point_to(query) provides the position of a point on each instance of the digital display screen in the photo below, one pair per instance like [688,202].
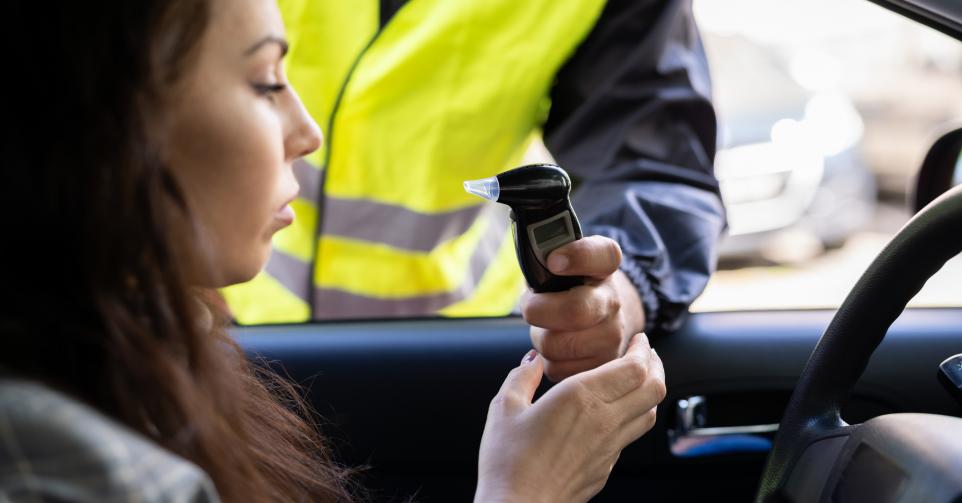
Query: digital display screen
[551,230]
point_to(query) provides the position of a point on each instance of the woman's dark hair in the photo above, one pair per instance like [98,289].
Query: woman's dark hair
[94,301]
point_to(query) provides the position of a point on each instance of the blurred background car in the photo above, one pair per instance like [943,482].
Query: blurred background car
[867,89]
[789,163]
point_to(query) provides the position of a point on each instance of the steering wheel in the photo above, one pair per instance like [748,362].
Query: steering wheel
[895,457]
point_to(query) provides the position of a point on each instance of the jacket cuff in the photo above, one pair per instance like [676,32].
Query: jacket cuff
[661,315]
[649,299]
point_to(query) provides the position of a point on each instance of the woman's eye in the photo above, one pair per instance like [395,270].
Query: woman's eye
[269,89]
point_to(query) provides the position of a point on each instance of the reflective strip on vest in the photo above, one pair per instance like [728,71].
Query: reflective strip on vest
[334,303]
[397,227]
[445,92]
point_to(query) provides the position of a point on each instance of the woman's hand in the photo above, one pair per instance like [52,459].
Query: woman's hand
[562,447]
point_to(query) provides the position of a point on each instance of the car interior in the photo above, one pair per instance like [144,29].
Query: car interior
[859,403]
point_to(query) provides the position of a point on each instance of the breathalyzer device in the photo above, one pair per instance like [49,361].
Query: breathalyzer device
[541,216]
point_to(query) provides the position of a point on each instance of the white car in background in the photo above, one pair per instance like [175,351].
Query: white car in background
[789,163]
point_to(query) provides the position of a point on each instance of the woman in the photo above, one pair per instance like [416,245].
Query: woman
[150,162]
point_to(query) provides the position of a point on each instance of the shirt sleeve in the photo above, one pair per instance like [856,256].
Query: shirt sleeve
[631,119]
[56,449]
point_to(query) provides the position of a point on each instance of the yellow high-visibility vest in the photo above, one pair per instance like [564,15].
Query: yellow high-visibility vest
[448,90]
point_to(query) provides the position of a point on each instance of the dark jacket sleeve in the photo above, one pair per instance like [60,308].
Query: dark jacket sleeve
[632,122]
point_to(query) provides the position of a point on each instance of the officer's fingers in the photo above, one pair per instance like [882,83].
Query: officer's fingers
[600,341]
[594,256]
[556,371]
[580,308]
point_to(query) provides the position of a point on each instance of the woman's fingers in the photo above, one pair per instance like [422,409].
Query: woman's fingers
[615,379]
[649,394]
[636,427]
[519,387]
[629,389]
[639,407]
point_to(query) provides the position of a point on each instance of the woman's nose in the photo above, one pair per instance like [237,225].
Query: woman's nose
[305,135]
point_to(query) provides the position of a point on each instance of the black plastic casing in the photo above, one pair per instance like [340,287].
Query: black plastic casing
[537,192]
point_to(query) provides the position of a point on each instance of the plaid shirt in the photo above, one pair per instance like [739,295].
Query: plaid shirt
[56,449]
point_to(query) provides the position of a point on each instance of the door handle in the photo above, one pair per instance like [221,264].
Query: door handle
[691,438]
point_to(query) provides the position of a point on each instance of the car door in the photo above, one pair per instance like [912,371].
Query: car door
[406,399]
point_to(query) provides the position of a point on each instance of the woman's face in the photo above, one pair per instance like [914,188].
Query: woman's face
[236,127]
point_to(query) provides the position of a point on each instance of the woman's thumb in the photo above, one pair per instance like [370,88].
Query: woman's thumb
[523,380]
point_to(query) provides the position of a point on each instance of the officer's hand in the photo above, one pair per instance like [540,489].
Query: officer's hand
[588,325]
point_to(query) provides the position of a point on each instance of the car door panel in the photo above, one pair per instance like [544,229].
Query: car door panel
[408,398]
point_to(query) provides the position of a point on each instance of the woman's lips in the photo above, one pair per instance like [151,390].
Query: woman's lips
[285,215]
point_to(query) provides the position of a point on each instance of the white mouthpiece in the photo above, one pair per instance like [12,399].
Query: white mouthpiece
[487,188]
